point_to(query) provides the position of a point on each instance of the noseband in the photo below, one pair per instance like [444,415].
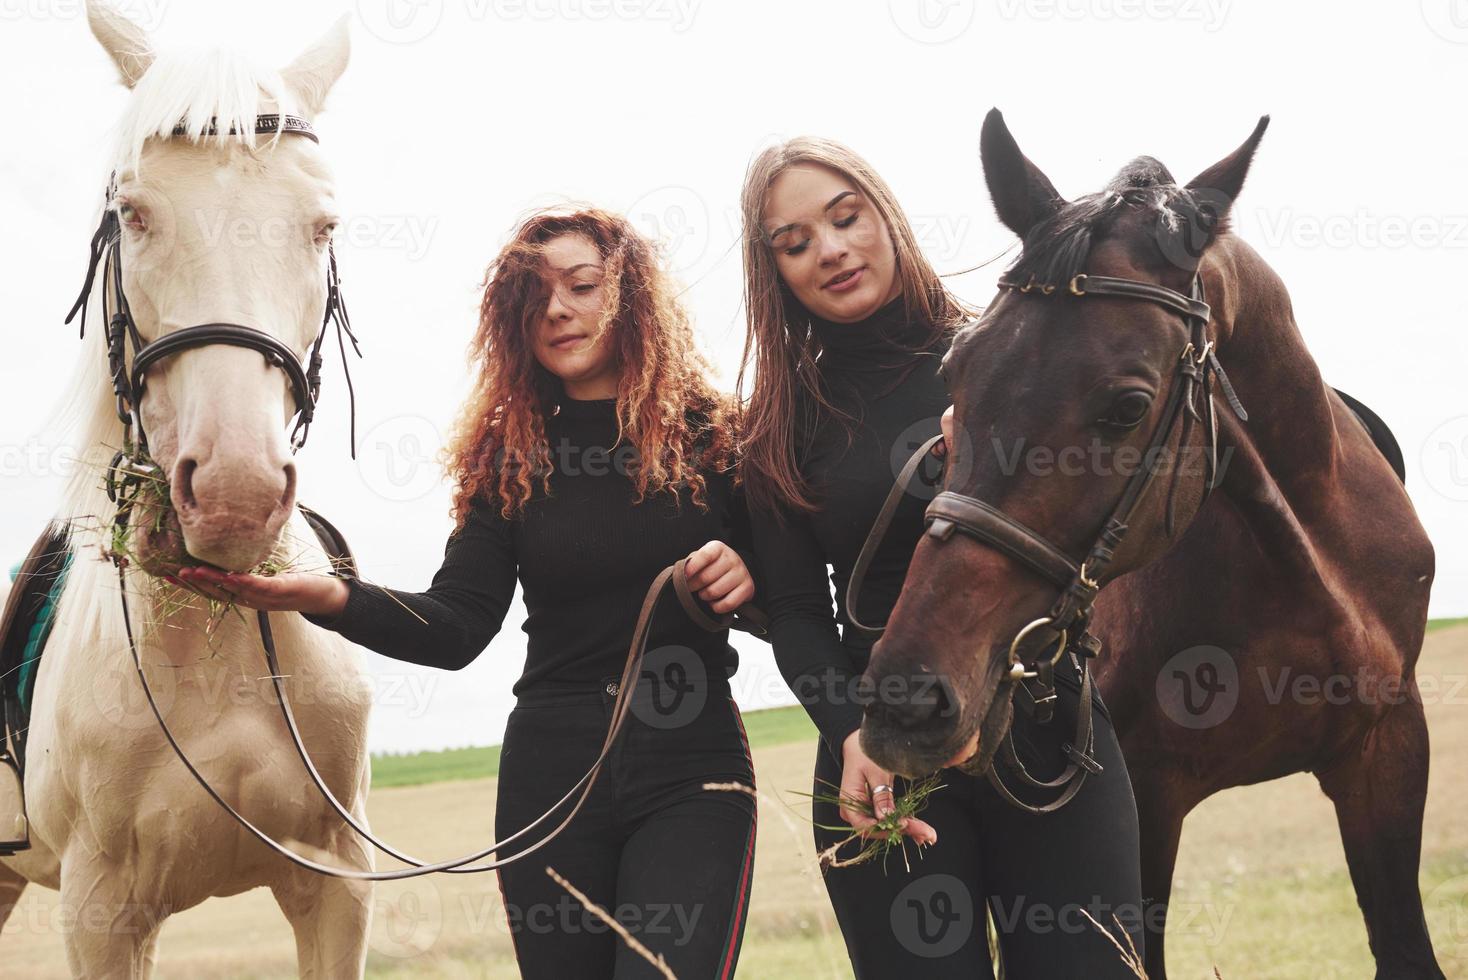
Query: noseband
[122,329]
[1079,581]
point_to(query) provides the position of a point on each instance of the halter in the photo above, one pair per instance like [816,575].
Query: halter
[1079,582]
[122,329]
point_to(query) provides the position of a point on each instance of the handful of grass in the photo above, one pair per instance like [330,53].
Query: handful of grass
[884,838]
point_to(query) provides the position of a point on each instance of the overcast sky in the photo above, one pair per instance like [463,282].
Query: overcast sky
[455,116]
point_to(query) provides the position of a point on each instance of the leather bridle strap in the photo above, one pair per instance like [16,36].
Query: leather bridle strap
[276,353]
[580,791]
[122,328]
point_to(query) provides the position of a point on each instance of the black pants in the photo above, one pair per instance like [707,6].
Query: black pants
[1036,872]
[669,860]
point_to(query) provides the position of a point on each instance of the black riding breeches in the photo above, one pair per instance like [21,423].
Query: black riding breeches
[671,861]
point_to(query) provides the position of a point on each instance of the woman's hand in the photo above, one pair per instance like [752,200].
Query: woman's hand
[940,449]
[288,592]
[863,779]
[717,575]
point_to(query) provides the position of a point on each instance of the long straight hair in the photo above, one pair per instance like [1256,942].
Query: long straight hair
[786,396]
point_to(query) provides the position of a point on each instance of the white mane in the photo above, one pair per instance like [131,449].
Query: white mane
[194,88]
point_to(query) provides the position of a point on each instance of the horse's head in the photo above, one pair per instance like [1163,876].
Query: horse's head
[224,229]
[1058,397]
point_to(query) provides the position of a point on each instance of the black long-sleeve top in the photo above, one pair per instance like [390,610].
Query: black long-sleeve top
[584,555]
[897,399]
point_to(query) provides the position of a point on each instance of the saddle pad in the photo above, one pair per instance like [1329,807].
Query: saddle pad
[24,626]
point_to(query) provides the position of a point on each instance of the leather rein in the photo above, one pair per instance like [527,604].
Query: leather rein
[1079,582]
[126,472]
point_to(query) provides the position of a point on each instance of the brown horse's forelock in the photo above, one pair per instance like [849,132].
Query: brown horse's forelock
[1056,249]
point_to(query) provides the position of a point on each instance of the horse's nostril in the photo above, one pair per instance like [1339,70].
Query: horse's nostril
[183,483]
[920,699]
[287,496]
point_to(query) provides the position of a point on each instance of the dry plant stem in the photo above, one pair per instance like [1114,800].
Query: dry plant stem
[1129,957]
[657,961]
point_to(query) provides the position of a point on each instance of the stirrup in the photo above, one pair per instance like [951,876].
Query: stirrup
[15,831]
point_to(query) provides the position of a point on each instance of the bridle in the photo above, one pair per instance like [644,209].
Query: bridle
[126,473]
[1079,582]
[122,329]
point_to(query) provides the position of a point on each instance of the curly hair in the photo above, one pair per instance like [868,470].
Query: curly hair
[679,424]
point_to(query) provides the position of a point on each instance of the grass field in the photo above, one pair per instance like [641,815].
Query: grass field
[1261,888]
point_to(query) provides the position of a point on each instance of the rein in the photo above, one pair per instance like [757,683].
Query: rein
[751,619]
[1079,582]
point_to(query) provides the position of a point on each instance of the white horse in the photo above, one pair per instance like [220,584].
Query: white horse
[216,228]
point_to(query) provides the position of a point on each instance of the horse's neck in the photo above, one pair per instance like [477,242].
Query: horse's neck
[1280,466]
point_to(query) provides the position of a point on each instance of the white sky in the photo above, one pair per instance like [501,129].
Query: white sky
[457,115]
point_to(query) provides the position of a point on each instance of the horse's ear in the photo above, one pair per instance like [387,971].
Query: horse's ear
[125,41]
[1023,196]
[1222,182]
[316,69]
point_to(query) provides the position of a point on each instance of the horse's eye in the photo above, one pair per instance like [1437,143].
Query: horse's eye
[1128,410]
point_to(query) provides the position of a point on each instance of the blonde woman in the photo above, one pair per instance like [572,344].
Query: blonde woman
[592,454]
[847,322]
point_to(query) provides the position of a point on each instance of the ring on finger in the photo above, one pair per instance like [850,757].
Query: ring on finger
[884,788]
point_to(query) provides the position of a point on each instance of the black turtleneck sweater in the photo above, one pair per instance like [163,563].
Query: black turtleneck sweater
[897,400]
[584,556]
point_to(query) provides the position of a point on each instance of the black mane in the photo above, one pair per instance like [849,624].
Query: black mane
[1056,249]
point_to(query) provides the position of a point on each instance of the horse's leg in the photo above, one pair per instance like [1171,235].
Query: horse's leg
[12,883]
[330,916]
[109,930]
[150,953]
[1379,790]
[1160,825]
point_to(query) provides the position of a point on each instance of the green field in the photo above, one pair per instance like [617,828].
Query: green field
[767,728]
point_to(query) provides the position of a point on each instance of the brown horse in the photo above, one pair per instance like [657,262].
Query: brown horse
[1306,562]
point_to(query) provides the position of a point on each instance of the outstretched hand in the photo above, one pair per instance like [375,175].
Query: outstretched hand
[287,592]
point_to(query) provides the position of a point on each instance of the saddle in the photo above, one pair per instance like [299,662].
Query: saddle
[25,626]
[1381,436]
